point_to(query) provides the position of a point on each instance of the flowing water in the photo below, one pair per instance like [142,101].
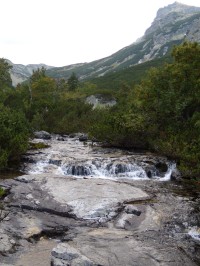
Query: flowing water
[80,159]
[70,157]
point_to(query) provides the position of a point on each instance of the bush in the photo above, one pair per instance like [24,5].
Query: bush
[13,135]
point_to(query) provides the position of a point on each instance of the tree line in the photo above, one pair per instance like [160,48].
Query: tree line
[161,113]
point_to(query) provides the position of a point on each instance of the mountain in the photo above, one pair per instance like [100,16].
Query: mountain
[20,73]
[173,24]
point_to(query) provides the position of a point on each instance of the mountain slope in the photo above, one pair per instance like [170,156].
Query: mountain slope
[20,73]
[172,25]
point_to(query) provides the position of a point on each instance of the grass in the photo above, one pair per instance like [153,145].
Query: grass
[2,192]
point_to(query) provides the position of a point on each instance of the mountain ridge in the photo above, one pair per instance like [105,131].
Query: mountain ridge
[19,72]
[172,25]
[179,22]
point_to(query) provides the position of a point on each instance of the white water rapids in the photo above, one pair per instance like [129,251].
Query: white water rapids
[72,157]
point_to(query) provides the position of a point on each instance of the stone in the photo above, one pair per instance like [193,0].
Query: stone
[176,175]
[59,138]
[101,100]
[132,210]
[42,135]
[150,170]
[162,167]
[77,170]
[72,135]
[6,243]
[83,137]
[64,254]
[75,135]
[57,162]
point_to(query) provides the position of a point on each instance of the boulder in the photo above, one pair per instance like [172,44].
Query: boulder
[42,135]
[162,167]
[175,175]
[84,137]
[150,170]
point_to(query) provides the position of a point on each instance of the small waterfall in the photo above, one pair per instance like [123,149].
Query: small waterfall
[73,158]
[167,176]
[77,170]
[39,167]
[105,169]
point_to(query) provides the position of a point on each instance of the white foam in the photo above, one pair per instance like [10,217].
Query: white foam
[194,232]
[71,157]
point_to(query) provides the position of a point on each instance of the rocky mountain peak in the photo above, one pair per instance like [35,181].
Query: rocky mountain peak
[176,7]
[171,14]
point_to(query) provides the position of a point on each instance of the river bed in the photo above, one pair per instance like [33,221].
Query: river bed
[79,204]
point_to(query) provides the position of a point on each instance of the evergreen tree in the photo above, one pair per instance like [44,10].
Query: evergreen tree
[5,79]
[72,82]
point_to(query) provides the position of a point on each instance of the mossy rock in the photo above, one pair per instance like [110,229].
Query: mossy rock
[36,146]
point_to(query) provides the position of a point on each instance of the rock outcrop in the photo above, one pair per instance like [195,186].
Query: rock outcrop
[42,135]
[99,222]
[95,220]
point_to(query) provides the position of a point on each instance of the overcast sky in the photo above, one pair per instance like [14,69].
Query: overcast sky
[63,32]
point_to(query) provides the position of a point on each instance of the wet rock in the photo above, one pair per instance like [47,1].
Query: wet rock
[77,170]
[72,135]
[75,135]
[64,254]
[27,159]
[83,137]
[121,168]
[60,138]
[162,167]
[42,135]
[176,175]
[132,210]
[150,170]
[55,162]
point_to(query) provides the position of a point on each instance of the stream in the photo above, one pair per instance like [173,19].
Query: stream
[77,203]
[72,157]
